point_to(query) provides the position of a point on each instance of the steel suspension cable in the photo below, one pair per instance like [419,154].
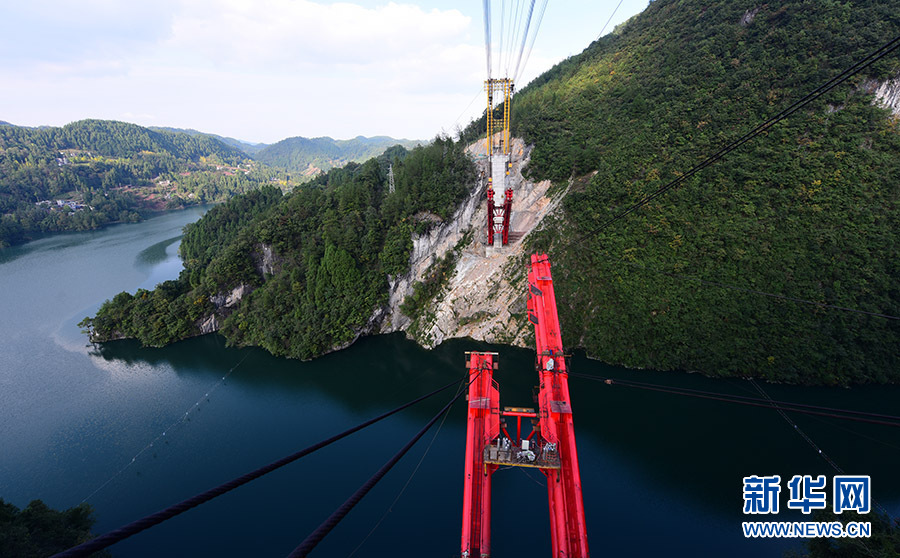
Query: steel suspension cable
[865,62]
[635,383]
[514,35]
[502,37]
[524,40]
[487,35]
[610,19]
[873,57]
[405,486]
[815,446]
[99,543]
[769,403]
[341,512]
[534,35]
[181,420]
[895,421]
[797,429]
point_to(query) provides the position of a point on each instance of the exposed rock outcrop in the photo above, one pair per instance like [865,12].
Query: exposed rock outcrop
[748,17]
[888,95]
[266,263]
[224,303]
[484,298]
[264,260]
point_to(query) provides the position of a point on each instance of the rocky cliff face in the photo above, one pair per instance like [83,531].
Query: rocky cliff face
[888,94]
[224,303]
[266,263]
[484,297]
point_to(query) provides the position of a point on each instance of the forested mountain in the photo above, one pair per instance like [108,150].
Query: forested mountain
[313,155]
[729,274]
[315,262]
[248,148]
[808,210]
[93,172]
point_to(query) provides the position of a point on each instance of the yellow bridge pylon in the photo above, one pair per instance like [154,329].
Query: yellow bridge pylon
[503,89]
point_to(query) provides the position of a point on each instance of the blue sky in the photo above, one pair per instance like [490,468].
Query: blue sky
[264,70]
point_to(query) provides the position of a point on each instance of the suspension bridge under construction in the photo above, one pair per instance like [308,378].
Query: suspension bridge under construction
[540,437]
[550,446]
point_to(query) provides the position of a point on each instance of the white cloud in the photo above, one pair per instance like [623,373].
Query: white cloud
[260,70]
[301,33]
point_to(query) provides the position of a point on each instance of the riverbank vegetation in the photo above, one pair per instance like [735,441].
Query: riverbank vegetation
[38,531]
[317,260]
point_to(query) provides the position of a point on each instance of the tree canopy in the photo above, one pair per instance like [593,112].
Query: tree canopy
[808,210]
[317,260]
[93,172]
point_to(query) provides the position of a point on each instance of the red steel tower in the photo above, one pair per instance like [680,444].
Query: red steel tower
[551,445]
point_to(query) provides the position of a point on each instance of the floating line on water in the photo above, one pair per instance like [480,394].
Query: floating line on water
[821,453]
[184,417]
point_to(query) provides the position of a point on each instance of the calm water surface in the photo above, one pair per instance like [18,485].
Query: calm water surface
[133,430]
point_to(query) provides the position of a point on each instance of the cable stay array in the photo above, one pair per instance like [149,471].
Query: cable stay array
[611,16]
[516,29]
[341,512]
[859,66]
[550,447]
[765,402]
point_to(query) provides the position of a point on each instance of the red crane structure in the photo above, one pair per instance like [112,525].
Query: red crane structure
[551,445]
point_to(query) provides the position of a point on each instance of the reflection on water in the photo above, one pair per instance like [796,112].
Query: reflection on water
[156,253]
[378,371]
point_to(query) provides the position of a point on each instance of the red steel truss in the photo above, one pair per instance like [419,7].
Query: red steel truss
[498,215]
[482,426]
[551,445]
[507,211]
[567,528]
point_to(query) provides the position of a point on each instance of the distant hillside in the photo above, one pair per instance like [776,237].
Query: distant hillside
[246,147]
[93,172]
[310,156]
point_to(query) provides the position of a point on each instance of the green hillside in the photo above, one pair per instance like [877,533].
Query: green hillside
[331,246]
[809,210]
[248,148]
[93,172]
[313,155]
